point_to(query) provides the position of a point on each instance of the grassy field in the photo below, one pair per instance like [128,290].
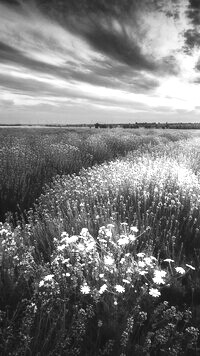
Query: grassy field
[105,261]
[31,157]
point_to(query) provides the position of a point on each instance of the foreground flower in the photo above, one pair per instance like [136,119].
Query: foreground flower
[85,289]
[61,247]
[100,323]
[90,246]
[140,254]
[102,289]
[119,288]
[84,232]
[134,229]
[154,292]
[123,241]
[158,277]
[191,267]
[132,238]
[108,260]
[48,278]
[126,281]
[180,270]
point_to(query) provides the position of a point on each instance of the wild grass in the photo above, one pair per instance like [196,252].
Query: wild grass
[30,158]
[108,261]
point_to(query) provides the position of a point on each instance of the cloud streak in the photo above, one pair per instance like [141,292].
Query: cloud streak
[98,54]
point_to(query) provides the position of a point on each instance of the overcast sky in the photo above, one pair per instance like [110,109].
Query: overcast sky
[86,61]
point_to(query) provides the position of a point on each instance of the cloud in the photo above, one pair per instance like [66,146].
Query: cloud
[193,11]
[192,34]
[97,53]
[114,76]
[37,45]
[117,29]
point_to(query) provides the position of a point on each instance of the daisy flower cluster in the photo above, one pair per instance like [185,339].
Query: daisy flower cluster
[105,267]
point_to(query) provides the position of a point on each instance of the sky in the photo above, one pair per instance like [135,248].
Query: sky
[106,61]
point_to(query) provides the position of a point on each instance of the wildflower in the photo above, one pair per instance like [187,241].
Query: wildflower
[108,260]
[72,239]
[34,306]
[148,261]
[126,281]
[67,240]
[115,302]
[81,247]
[119,288]
[90,246]
[61,248]
[191,267]
[153,258]
[108,233]
[134,229]
[85,289]
[101,275]
[64,234]
[84,232]
[132,238]
[110,226]
[100,323]
[48,278]
[141,264]
[103,289]
[142,273]
[158,277]
[154,292]
[123,241]
[66,260]
[140,254]
[143,315]
[41,283]
[180,270]
[169,260]
[192,331]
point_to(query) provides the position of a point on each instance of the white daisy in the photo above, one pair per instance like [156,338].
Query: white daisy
[191,267]
[103,289]
[85,289]
[134,229]
[119,288]
[180,270]
[154,292]
[108,260]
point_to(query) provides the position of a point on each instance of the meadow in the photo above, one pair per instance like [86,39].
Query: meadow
[99,242]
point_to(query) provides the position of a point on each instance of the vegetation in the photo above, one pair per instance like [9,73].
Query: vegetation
[30,158]
[107,262]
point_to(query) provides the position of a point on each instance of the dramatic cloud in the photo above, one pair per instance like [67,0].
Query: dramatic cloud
[99,57]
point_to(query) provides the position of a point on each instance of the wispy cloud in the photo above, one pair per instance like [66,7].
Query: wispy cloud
[109,55]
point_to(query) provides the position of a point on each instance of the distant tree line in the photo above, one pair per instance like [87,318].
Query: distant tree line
[152,125]
[136,125]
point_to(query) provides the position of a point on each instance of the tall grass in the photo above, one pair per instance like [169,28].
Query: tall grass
[31,158]
[108,263]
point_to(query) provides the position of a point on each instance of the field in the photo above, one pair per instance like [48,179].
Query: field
[99,242]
